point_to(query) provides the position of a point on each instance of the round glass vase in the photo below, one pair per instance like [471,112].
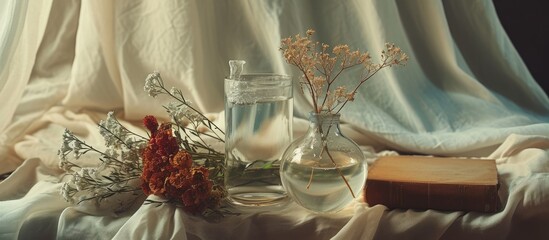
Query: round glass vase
[323,171]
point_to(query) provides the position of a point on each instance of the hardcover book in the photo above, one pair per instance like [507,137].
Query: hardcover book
[421,182]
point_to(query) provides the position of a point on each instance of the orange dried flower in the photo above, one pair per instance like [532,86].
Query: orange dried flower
[181,160]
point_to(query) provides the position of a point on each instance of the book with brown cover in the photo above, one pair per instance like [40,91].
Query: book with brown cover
[440,183]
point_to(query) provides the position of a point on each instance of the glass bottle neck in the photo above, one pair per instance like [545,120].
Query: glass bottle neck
[324,123]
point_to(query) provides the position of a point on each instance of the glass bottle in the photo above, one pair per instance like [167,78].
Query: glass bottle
[258,120]
[323,171]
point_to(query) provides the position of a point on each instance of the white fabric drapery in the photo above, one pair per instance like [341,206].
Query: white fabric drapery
[465,92]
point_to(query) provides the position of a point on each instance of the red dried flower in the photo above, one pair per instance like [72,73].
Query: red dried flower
[199,174]
[168,171]
[156,184]
[193,200]
[165,142]
[150,123]
[145,186]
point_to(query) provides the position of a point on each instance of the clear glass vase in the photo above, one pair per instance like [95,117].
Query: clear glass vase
[323,171]
[258,120]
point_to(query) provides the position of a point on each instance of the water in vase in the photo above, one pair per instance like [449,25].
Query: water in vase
[321,188]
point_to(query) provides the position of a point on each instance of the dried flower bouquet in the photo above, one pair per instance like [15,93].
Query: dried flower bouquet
[176,161]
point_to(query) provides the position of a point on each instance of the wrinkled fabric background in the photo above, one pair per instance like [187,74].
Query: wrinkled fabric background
[465,92]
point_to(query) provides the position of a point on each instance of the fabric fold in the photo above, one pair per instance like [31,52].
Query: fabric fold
[465,92]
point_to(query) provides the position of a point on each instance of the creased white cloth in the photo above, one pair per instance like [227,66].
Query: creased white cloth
[465,92]
[169,222]
[522,163]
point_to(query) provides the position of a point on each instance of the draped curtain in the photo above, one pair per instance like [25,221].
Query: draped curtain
[464,91]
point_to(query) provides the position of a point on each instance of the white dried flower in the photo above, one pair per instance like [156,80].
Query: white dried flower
[77,149]
[174,91]
[111,153]
[180,112]
[112,131]
[67,192]
[120,162]
[69,144]
[153,85]
[78,181]
[64,164]
[174,110]
[132,160]
[65,146]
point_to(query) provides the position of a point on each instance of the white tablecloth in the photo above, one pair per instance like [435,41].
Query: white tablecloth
[465,92]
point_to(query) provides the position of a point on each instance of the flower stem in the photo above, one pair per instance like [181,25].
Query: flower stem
[325,149]
[339,171]
[310,178]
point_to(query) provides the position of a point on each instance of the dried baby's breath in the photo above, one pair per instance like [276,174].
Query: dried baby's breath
[321,68]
